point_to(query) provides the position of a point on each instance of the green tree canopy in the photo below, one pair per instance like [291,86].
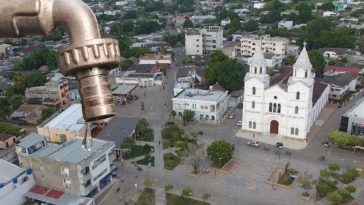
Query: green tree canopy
[180,144]
[251,25]
[9,128]
[334,167]
[128,143]
[323,188]
[188,115]
[220,149]
[47,112]
[306,181]
[4,108]
[318,62]
[16,101]
[187,191]
[188,24]
[334,197]
[172,132]
[168,187]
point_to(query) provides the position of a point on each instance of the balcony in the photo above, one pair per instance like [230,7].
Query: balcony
[112,158]
[84,177]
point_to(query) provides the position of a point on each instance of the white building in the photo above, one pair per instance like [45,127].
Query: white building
[204,40]
[249,44]
[156,58]
[288,105]
[329,13]
[285,24]
[352,120]
[225,22]
[259,5]
[209,106]
[272,60]
[14,183]
[199,19]
[68,167]
[121,3]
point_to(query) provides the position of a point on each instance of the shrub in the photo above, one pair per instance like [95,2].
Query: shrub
[166,143]
[354,172]
[334,167]
[186,191]
[351,188]
[325,174]
[170,163]
[344,193]
[332,183]
[323,188]
[348,176]
[334,197]
[168,187]
[146,148]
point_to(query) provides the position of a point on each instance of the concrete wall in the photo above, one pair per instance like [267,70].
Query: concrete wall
[12,194]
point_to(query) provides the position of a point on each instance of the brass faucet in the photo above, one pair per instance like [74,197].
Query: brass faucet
[88,57]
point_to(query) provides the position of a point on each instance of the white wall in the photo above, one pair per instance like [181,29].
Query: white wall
[194,44]
[12,194]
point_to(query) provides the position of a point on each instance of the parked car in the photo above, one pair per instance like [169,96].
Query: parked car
[279,145]
[253,143]
[240,123]
[240,106]
[177,64]
[232,116]
[169,123]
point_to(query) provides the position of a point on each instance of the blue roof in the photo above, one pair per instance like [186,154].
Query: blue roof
[30,140]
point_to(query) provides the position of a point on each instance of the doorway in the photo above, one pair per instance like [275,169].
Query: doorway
[274,127]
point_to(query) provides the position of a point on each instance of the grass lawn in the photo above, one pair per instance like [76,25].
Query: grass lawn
[145,162]
[136,151]
[171,161]
[179,200]
[146,136]
[147,197]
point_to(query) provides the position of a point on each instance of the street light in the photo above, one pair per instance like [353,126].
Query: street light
[236,203]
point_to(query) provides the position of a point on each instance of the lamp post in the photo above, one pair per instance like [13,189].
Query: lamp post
[190,129]
[236,203]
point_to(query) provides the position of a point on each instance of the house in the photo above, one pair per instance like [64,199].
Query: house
[209,105]
[68,168]
[118,129]
[179,21]
[230,48]
[28,113]
[29,50]
[352,121]
[73,91]
[241,11]
[285,24]
[14,183]
[276,45]
[289,12]
[225,22]
[199,19]
[122,93]
[341,83]
[121,3]
[287,105]
[204,40]
[7,140]
[331,70]
[6,49]
[186,78]
[329,13]
[258,5]
[155,58]
[53,93]
[334,53]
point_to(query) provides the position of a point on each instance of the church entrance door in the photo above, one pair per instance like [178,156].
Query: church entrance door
[274,127]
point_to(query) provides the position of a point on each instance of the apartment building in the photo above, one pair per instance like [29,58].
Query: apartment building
[276,45]
[68,168]
[157,58]
[14,183]
[209,105]
[204,40]
[53,93]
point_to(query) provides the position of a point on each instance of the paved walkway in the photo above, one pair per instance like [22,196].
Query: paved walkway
[272,139]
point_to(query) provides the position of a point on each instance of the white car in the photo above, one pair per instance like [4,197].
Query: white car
[253,143]
[240,123]
[232,116]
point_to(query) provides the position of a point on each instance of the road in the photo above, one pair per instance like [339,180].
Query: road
[246,182]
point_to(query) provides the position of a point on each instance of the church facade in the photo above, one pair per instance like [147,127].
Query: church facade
[286,106]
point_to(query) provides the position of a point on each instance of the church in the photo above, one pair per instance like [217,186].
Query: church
[287,105]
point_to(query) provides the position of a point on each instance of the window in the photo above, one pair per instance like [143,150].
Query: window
[296,110]
[62,138]
[306,74]
[193,106]
[279,108]
[24,179]
[214,41]
[296,133]
[41,165]
[254,125]
[292,131]
[297,95]
[99,161]
[274,107]
[254,90]
[250,124]
[255,69]
[213,46]
[253,104]
[270,107]
[197,45]
[261,69]
[197,39]
[99,175]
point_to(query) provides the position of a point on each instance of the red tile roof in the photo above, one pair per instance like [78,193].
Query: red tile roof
[29,48]
[51,193]
[4,137]
[342,69]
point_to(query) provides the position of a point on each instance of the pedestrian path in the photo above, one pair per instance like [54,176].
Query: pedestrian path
[160,196]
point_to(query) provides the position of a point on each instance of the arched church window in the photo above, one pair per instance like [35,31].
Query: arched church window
[274,107]
[297,95]
[254,90]
[306,74]
[279,108]
[292,131]
[250,124]
[261,69]
[254,125]
[296,110]
[255,69]
[296,133]
[270,107]
[253,104]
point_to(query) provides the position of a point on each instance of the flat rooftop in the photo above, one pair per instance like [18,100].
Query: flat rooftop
[8,171]
[71,151]
[357,110]
[70,119]
[200,95]
[30,140]
[124,89]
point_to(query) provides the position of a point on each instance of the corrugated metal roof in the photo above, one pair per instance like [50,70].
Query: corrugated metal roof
[8,171]
[70,119]
[30,140]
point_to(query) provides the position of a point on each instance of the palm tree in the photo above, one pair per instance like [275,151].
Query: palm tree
[120,27]
[18,80]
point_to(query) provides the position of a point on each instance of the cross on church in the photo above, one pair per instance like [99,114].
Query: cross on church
[304,44]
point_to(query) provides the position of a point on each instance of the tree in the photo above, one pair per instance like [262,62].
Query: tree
[16,101]
[250,25]
[325,174]
[168,187]
[323,188]
[196,160]
[4,108]
[306,181]
[9,128]
[194,133]
[47,112]
[36,79]
[344,193]
[350,188]
[318,62]
[141,127]
[327,6]
[126,64]
[172,132]
[188,115]
[334,197]
[186,137]
[180,144]
[8,41]
[147,182]
[187,191]
[132,14]
[128,143]
[205,196]
[220,149]
[187,24]
[334,167]
[166,143]
[174,113]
